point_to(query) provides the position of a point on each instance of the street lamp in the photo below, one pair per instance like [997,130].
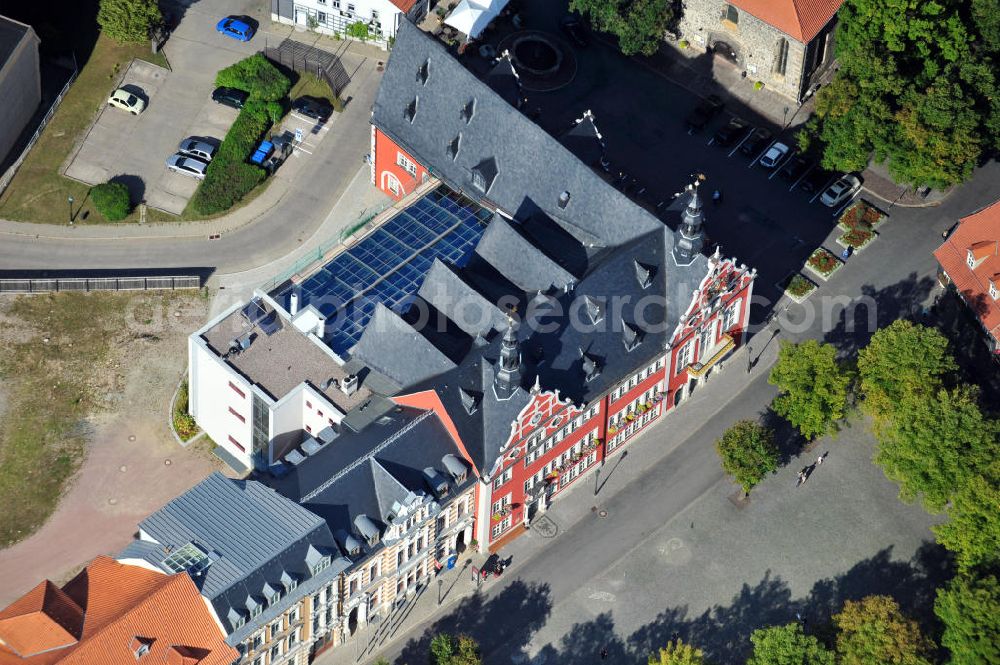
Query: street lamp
[70,210]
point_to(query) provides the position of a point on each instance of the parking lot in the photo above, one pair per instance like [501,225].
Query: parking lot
[134,149]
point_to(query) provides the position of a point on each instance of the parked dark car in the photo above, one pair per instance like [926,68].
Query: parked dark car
[230,97]
[795,167]
[760,138]
[707,109]
[316,108]
[732,132]
[816,180]
[573,28]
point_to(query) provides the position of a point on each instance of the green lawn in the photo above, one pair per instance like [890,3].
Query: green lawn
[58,365]
[38,192]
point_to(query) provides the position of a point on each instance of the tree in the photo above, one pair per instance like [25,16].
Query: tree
[111,200]
[640,25]
[678,653]
[916,89]
[257,76]
[935,443]
[358,30]
[901,359]
[813,387]
[128,20]
[972,531]
[787,645]
[969,607]
[748,453]
[454,650]
[873,631]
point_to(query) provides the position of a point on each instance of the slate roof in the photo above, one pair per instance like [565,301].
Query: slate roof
[799,19]
[99,616]
[980,234]
[584,140]
[495,131]
[367,473]
[462,304]
[524,264]
[254,535]
[503,79]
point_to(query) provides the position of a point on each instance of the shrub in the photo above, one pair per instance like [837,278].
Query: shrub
[229,177]
[358,30]
[111,200]
[683,43]
[799,286]
[257,76]
[857,237]
[184,423]
[824,261]
[757,85]
[128,20]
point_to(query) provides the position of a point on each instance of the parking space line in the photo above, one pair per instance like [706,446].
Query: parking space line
[711,141]
[762,153]
[296,147]
[849,202]
[807,172]
[823,188]
[777,167]
[749,134]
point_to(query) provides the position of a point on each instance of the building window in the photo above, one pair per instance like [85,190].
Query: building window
[275,597]
[969,258]
[237,414]
[781,56]
[353,589]
[244,395]
[321,17]
[994,292]
[730,316]
[350,7]
[399,559]
[731,14]
[335,4]
[501,526]
[236,443]
[684,357]
[405,164]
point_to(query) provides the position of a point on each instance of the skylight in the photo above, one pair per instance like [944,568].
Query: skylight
[189,558]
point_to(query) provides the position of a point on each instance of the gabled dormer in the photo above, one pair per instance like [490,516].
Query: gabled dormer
[979,252]
[484,173]
[995,286]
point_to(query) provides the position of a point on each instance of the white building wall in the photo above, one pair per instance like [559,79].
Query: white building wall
[333,16]
[214,389]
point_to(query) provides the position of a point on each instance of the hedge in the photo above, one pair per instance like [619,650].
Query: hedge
[257,76]
[229,176]
[111,200]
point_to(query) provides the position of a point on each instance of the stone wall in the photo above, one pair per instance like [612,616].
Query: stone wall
[755,45]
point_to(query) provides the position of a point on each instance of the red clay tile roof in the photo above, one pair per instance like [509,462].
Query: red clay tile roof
[979,234]
[43,619]
[404,5]
[799,19]
[123,607]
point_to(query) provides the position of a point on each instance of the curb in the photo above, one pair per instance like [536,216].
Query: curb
[170,417]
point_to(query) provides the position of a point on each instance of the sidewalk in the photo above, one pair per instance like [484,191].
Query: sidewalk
[879,183]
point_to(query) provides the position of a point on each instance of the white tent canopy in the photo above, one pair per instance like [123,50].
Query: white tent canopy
[472,16]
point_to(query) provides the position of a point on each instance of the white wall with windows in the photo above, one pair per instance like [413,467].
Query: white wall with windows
[336,16]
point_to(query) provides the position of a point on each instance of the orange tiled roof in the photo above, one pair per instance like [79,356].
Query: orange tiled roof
[43,619]
[123,607]
[979,234]
[799,19]
[404,5]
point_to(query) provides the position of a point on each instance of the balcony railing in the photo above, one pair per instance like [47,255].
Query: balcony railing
[725,345]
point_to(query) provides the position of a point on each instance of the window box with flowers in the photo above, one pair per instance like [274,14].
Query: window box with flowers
[630,417]
[823,263]
[612,430]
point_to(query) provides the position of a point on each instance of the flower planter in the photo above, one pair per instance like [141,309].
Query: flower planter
[823,263]
[861,215]
[857,239]
[797,287]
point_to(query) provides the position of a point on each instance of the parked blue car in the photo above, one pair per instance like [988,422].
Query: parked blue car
[237,28]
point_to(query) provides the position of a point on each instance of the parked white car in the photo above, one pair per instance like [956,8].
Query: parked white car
[774,155]
[126,101]
[845,187]
[187,165]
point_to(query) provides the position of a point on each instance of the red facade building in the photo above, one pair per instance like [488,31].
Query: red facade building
[393,170]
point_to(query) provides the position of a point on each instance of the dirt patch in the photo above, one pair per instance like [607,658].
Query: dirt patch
[87,450]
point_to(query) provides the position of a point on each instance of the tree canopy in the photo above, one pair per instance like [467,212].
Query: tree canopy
[901,359]
[969,608]
[454,650]
[128,20]
[935,444]
[748,453]
[972,531]
[813,387]
[639,25]
[677,653]
[787,645]
[257,76]
[917,89]
[873,631]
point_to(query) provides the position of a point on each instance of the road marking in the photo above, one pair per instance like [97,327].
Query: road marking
[807,172]
[744,140]
[823,188]
[603,596]
[762,153]
[711,141]
[850,200]
[297,147]
[777,167]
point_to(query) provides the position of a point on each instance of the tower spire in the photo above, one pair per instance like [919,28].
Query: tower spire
[691,238]
[508,376]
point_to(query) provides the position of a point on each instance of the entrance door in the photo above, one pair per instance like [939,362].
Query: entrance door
[352,621]
[532,510]
[460,542]
[301,16]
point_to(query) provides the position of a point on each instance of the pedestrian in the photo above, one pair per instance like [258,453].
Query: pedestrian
[802,478]
[819,460]
[604,653]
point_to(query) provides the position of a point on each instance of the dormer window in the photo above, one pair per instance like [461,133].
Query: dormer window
[320,565]
[453,147]
[423,71]
[410,112]
[469,110]
[591,368]
[994,291]
[484,173]
[970,259]
[140,646]
[594,309]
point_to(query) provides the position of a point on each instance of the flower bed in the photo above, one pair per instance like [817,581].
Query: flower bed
[856,238]
[797,287]
[860,215]
[823,263]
